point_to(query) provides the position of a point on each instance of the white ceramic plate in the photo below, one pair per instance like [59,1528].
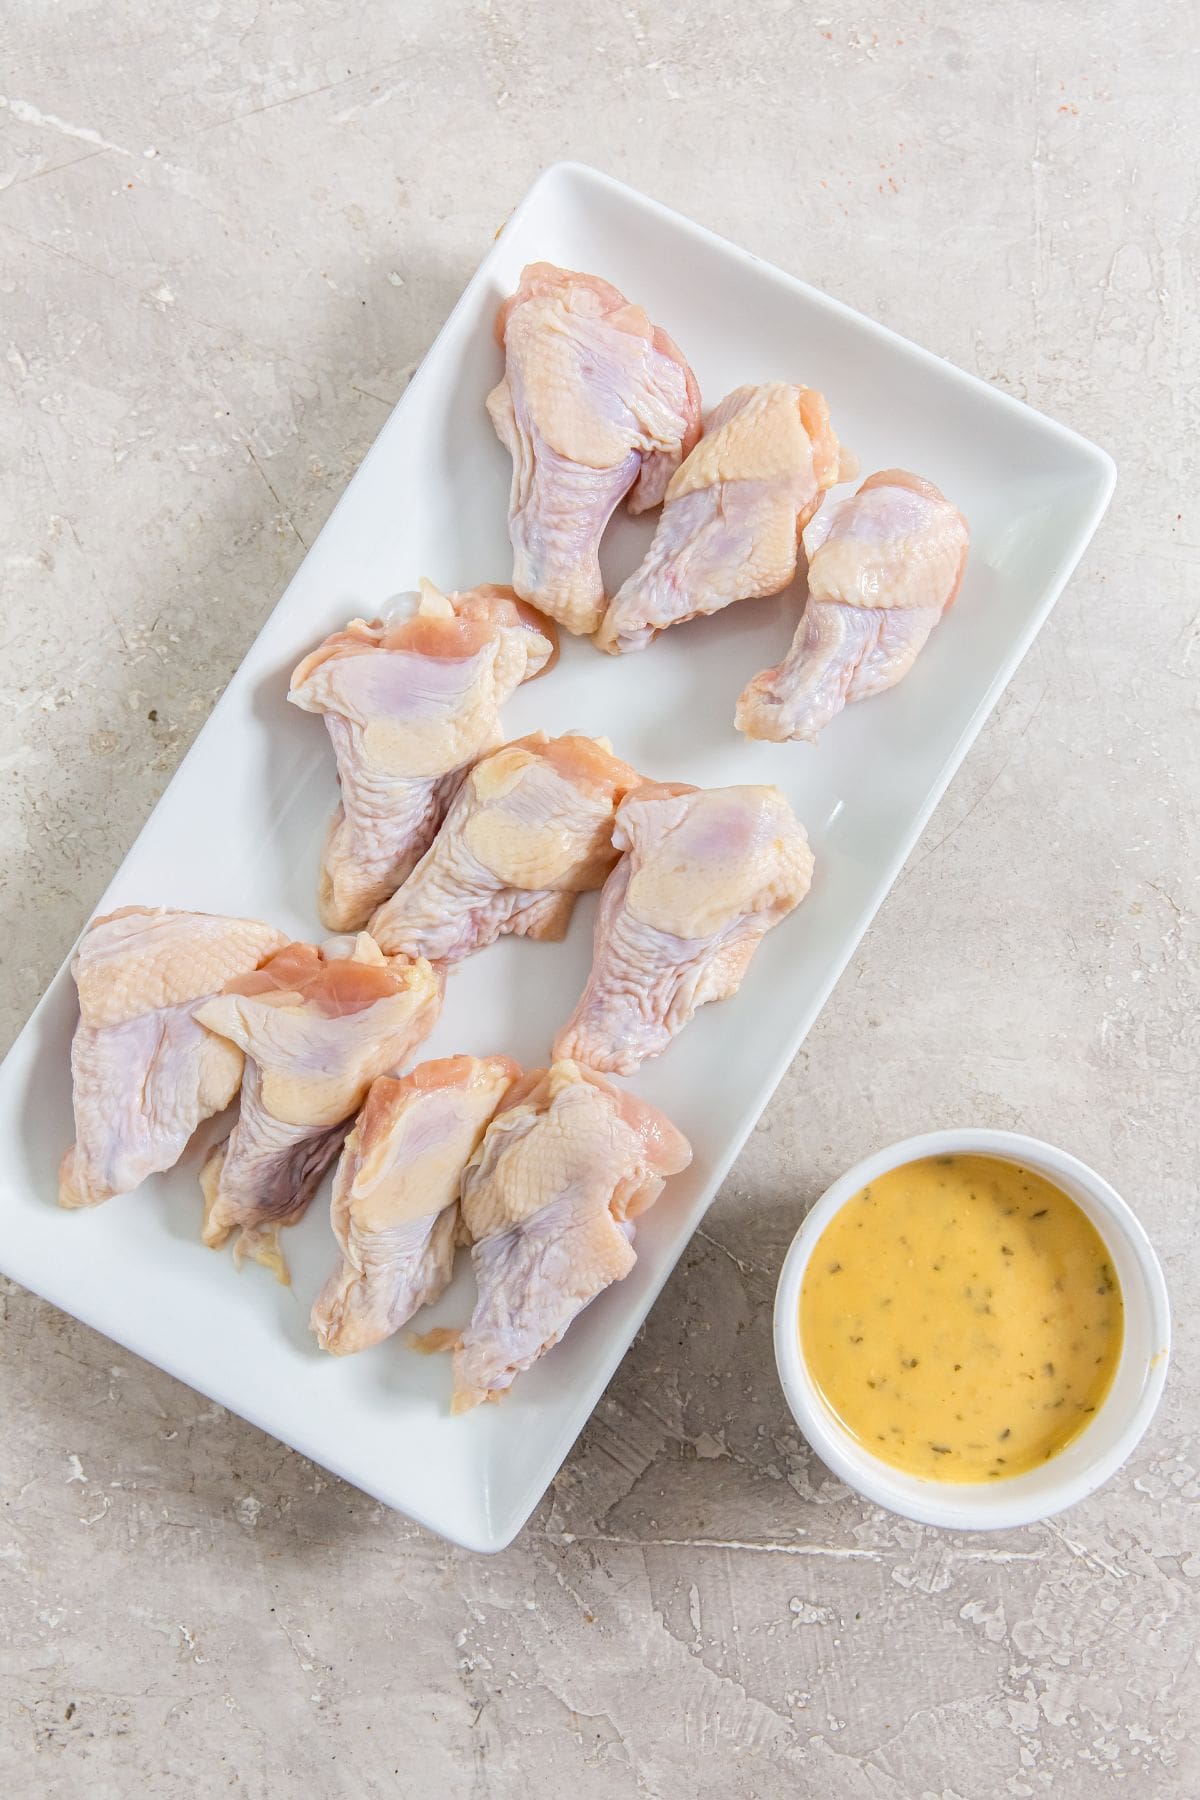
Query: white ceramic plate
[239,829]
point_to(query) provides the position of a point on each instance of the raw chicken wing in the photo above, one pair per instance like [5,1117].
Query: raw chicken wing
[707,872]
[145,1073]
[731,526]
[596,403]
[317,1026]
[883,566]
[549,1200]
[530,828]
[395,1195]
[410,701]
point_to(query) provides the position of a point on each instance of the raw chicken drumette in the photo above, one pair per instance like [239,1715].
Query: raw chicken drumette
[395,1195]
[145,1073]
[707,872]
[549,1199]
[410,701]
[529,830]
[317,1026]
[883,566]
[730,528]
[596,403]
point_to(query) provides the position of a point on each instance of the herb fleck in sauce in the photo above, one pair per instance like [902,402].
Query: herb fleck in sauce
[977,1308]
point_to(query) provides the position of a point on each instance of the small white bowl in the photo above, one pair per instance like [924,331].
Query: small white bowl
[1089,1459]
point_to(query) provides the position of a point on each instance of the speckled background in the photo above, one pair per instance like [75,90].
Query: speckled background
[227,233]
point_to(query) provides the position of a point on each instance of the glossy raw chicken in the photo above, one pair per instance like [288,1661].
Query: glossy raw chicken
[596,403]
[707,872]
[530,828]
[410,701]
[395,1195]
[731,526]
[549,1200]
[317,1026]
[145,1073]
[883,566]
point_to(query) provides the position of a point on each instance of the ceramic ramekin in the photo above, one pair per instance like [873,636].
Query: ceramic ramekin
[1090,1458]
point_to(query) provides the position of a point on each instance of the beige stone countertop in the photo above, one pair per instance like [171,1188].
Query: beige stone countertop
[228,231]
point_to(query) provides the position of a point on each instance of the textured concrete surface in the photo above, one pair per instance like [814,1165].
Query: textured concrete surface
[227,233]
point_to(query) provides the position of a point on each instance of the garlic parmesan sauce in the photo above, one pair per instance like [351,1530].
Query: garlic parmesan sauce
[962,1318]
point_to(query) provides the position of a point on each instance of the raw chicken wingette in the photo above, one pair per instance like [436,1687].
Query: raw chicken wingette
[596,404]
[145,1073]
[549,1201]
[410,701]
[529,831]
[705,875]
[317,1026]
[395,1195]
[734,512]
[883,566]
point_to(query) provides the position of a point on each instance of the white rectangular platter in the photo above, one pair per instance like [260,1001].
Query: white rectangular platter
[240,826]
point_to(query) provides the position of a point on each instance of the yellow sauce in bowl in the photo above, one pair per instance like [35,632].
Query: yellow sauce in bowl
[962,1318]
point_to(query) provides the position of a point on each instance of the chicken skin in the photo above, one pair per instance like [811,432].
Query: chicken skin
[410,701]
[316,1026]
[734,512]
[395,1195]
[705,875]
[529,830]
[145,1073]
[883,566]
[549,1201]
[596,404]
